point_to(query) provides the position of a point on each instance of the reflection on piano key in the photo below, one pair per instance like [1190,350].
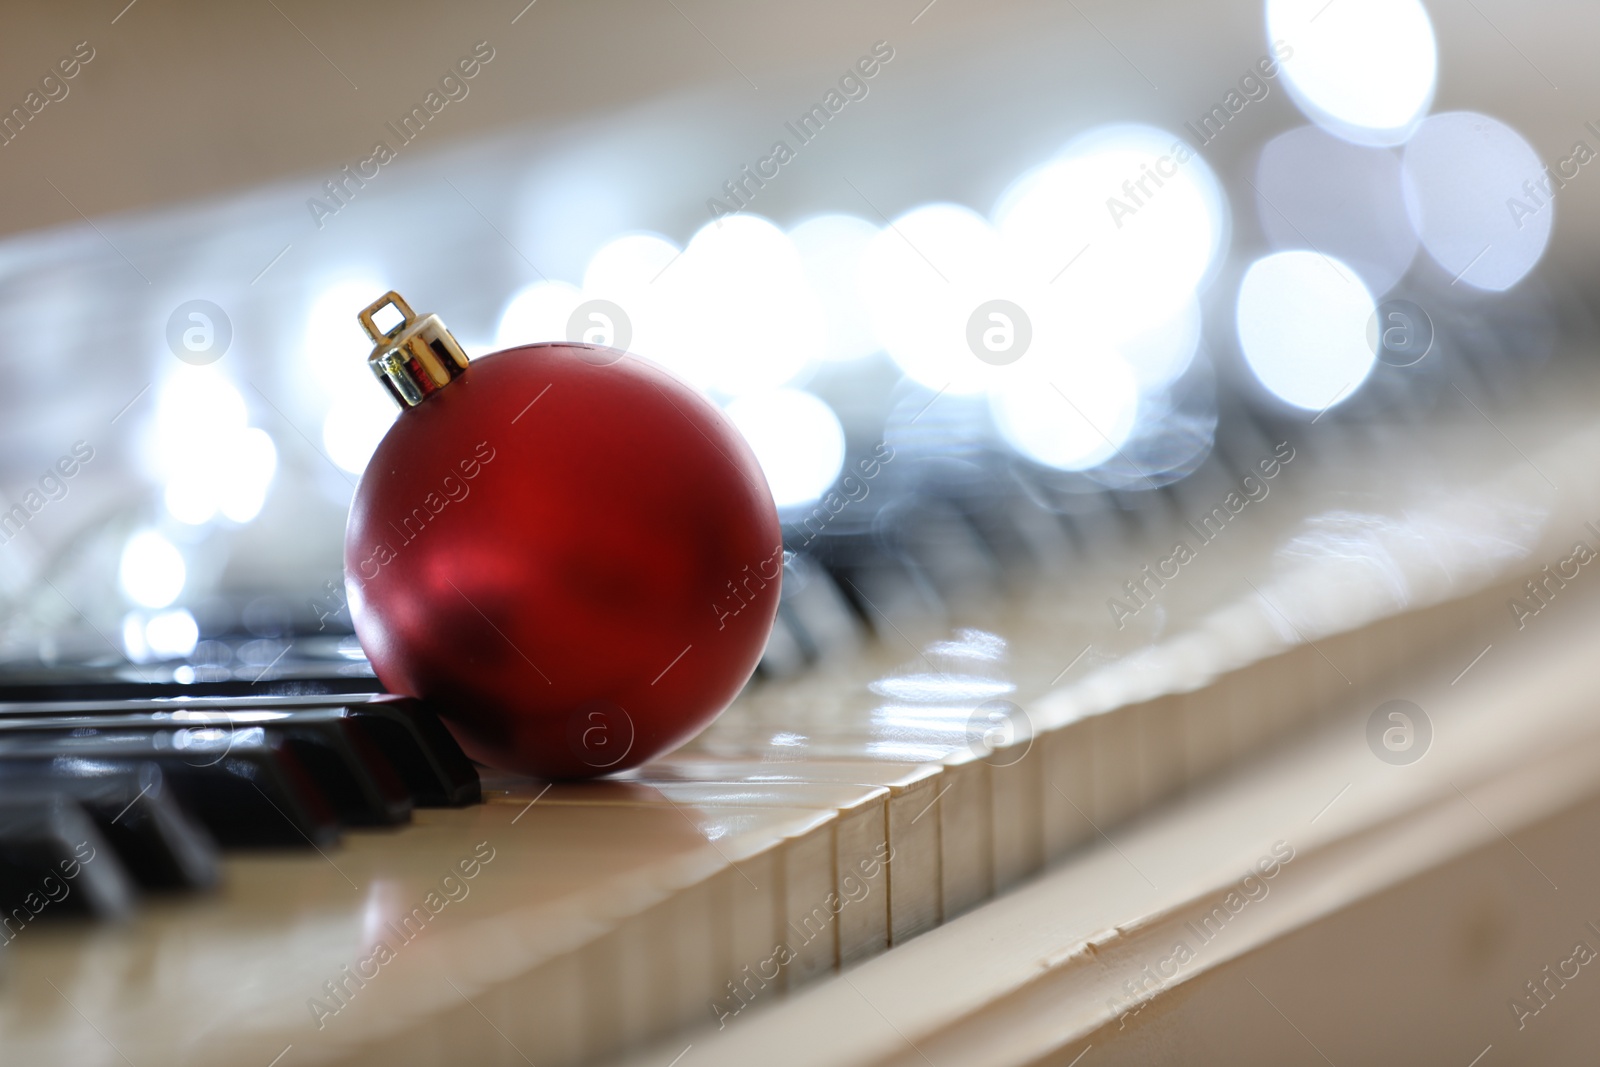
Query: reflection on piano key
[158,843]
[55,864]
[247,786]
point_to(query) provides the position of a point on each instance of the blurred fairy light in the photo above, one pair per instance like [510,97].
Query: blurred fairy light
[622,304]
[1315,190]
[172,634]
[1363,69]
[189,501]
[1095,259]
[209,458]
[627,266]
[1101,252]
[355,423]
[1119,230]
[537,313]
[162,636]
[334,350]
[743,310]
[732,313]
[333,347]
[921,279]
[743,316]
[152,571]
[1072,415]
[1173,434]
[1162,351]
[251,460]
[830,248]
[134,645]
[621,273]
[1479,198]
[1302,322]
[797,439]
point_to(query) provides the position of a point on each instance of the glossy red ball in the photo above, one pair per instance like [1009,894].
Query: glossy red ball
[571,555]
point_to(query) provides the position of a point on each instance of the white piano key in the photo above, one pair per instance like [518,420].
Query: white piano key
[1017,780]
[910,876]
[1162,766]
[1114,744]
[1067,769]
[863,911]
[810,935]
[965,809]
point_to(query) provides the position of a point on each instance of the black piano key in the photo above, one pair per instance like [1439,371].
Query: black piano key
[421,751]
[424,753]
[54,863]
[106,684]
[248,788]
[161,846]
[352,770]
[336,749]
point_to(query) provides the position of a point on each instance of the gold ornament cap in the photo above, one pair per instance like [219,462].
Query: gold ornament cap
[414,359]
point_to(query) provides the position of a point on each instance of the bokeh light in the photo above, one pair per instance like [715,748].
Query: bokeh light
[1173,434]
[1120,229]
[152,572]
[335,350]
[625,272]
[921,279]
[1363,69]
[743,317]
[333,346]
[732,313]
[250,459]
[831,247]
[1315,190]
[537,313]
[1302,321]
[171,634]
[202,449]
[355,424]
[1072,415]
[1476,196]
[1161,352]
[797,439]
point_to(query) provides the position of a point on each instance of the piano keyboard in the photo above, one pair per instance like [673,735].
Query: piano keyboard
[163,782]
[830,815]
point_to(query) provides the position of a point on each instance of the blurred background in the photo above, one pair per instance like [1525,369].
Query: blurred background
[1060,261]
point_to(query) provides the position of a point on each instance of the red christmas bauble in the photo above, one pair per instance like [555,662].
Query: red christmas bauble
[572,556]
